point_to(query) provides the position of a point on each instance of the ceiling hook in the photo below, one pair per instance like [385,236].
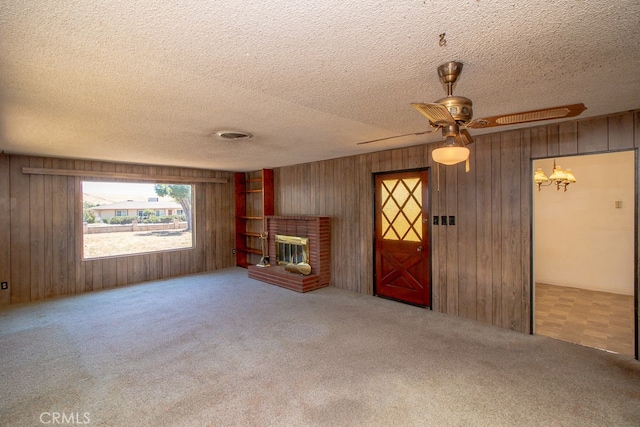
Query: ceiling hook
[443,41]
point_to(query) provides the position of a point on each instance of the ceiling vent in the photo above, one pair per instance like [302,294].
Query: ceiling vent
[232,135]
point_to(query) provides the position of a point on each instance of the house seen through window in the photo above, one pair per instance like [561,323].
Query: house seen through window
[125,218]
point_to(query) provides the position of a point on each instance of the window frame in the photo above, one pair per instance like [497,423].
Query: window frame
[193,202]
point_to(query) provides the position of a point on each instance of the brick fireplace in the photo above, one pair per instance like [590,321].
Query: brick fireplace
[316,229]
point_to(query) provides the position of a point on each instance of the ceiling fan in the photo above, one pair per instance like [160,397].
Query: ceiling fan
[453,115]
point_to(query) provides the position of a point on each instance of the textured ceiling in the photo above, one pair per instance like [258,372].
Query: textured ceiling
[148,82]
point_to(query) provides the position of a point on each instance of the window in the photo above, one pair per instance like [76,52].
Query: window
[125,218]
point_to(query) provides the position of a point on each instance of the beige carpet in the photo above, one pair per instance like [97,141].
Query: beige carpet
[220,349]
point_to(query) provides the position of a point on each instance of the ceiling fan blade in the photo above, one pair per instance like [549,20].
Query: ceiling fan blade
[528,116]
[437,114]
[398,136]
[463,137]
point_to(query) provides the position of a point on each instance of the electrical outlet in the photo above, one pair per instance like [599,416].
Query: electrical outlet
[452,220]
[4,286]
[443,219]
[435,219]
[233,251]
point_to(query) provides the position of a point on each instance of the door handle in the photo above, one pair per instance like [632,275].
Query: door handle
[420,248]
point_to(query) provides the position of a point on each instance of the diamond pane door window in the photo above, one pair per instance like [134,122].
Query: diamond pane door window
[402,209]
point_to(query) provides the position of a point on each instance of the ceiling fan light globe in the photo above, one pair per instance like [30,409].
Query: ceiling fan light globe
[450,155]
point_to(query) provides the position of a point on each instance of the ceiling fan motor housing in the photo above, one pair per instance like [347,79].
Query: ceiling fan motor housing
[459,107]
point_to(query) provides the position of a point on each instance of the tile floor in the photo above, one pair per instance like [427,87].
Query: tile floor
[595,319]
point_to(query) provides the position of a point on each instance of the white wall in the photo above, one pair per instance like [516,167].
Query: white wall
[580,238]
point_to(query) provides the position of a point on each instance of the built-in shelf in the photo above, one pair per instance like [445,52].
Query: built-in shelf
[250,250]
[252,234]
[254,201]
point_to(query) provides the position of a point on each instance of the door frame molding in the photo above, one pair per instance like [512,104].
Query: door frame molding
[373,228]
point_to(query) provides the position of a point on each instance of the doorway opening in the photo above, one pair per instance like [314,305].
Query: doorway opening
[583,253]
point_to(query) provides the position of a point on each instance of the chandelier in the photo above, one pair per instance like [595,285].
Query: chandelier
[559,177]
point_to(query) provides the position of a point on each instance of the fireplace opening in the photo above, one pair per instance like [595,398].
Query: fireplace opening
[291,249]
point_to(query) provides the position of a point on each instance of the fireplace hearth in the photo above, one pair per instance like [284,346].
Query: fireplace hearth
[295,239]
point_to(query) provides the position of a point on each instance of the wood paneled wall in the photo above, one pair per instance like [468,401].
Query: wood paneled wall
[40,231]
[481,267]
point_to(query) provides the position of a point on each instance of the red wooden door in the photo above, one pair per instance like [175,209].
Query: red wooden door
[402,252]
